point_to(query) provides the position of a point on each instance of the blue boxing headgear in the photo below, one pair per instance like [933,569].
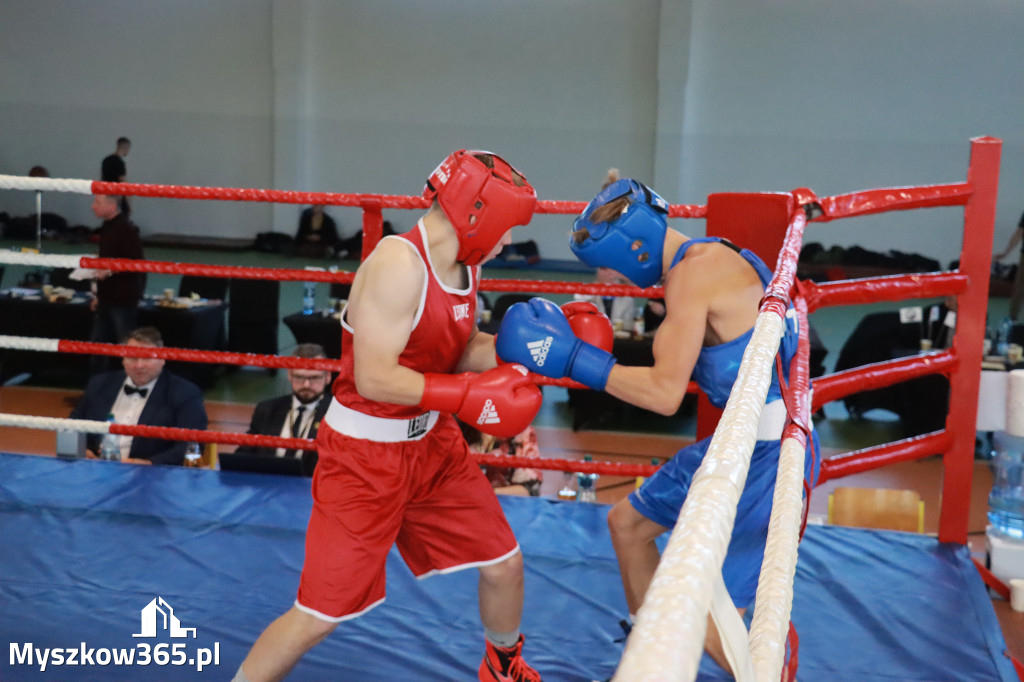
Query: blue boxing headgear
[632,243]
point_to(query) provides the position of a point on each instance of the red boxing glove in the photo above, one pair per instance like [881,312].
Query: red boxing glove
[590,324]
[501,402]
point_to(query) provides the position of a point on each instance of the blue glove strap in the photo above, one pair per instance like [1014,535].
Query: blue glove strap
[591,366]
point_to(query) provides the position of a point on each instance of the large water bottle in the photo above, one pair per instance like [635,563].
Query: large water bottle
[1006,501]
[586,484]
[110,445]
[308,298]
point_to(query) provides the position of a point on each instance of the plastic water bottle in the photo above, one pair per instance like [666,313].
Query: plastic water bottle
[1003,338]
[568,490]
[193,456]
[308,298]
[110,445]
[1006,501]
[587,484]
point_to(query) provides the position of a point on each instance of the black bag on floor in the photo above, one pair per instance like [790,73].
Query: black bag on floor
[273,242]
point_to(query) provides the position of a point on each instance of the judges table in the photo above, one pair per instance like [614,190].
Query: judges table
[23,312]
[198,325]
[322,327]
[195,325]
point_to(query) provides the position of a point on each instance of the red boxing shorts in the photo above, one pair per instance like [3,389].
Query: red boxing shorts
[427,496]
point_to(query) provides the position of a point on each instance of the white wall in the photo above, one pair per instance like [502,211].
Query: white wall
[694,96]
[841,96]
[393,86]
[188,81]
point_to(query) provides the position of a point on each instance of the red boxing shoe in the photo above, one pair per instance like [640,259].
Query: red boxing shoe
[506,665]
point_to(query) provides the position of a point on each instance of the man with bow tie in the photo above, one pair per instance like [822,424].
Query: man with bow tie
[143,393]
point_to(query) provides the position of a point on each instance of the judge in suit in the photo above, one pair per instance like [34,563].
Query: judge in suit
[143,394]
[297,415]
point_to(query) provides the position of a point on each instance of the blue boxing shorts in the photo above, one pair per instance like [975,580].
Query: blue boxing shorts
[661,498]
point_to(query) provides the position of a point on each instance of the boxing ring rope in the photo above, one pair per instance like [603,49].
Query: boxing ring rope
[301,275]
[373,201]
[667,641]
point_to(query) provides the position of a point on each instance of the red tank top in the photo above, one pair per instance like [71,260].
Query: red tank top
[441,328]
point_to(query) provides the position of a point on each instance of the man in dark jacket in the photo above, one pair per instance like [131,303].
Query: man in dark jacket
[297,415]
[117,294]
[143,393]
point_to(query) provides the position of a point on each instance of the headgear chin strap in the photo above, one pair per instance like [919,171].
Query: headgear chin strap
[631,243]
[480,202]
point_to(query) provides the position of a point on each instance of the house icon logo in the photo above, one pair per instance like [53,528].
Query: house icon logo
[166,620]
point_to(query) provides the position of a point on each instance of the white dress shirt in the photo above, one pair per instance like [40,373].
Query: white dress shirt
[128,408]
[304,425]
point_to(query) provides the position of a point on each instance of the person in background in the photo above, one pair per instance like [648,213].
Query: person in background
[1017,293]
[296,415]
[507,480]
[116,304]
[317,235]
[114,169]
[143,393]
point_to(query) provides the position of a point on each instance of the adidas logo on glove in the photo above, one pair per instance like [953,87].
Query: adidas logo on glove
[539,350]
[489,415]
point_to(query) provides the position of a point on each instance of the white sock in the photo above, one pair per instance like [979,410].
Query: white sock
[505,640]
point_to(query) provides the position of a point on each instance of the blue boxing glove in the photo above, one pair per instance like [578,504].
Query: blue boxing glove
[538,336]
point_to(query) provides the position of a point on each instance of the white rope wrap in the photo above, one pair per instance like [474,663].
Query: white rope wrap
[27,421]
[46,184]
[770,625]
[29,343]
[668,639]
[43,259]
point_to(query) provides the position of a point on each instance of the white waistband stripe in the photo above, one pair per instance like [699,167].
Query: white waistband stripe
[380,429]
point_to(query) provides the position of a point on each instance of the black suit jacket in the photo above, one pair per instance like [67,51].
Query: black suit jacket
[173,402]
[269,418]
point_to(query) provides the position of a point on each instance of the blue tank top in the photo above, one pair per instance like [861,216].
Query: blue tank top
[717,366]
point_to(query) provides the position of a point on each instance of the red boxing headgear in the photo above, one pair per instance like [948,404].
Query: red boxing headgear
[481,202]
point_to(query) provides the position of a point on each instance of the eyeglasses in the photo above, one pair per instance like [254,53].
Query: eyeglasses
[309,379]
